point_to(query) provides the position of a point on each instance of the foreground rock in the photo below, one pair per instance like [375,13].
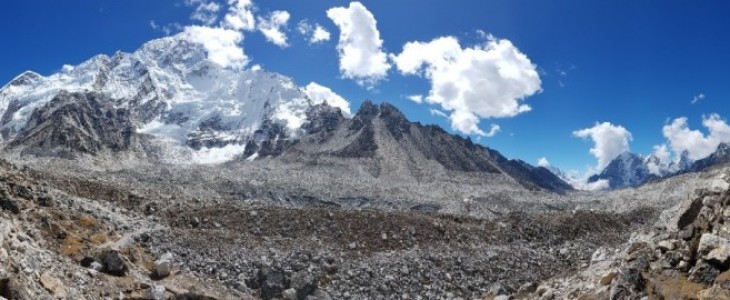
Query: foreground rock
[686,256]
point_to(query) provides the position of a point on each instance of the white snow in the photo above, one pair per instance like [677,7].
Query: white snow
[218,155]
[178,74]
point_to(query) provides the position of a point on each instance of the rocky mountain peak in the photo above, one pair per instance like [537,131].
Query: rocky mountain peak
[26,78]
[75,122]
[626,170]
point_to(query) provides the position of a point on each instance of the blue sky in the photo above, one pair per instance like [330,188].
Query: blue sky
[635,64]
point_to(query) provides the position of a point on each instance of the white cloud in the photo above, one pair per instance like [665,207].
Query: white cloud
[239,16]
[609,141]
[493,130]
[314,33]
[416,98]
[221,44]
[304,27]
[698,98]
[436,112]
[663,155]
[319,35]
[543,162]
[484,81]
[697,144]
[272,27]
[319,94]
[580,182]
[167,29]
[205,12]
[360,47]
[583,185]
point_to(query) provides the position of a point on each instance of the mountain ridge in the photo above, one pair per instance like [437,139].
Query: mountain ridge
[169,98]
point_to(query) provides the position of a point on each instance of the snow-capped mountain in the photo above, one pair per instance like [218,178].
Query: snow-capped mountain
[169,102]
[630,170]
[682,164]
[171,90]
[381,139]
[720,156]
[656,166]
[627,170]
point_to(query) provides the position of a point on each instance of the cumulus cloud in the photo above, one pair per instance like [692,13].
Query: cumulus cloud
[438,113]
[239,16]
[582,185]
[319,94]
[273,26]
[662,153]
[658,166]
[319,35]
[167,29]
[697,144]
[543,162]
[314,33]
[416,98]
[489,80]
[493,130]
[698,98]
[221,44]
[205,12]
[360,47]
[609,141]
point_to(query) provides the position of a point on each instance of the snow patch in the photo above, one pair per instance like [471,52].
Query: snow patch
[218,155]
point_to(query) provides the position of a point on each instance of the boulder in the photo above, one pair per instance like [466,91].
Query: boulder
[273,284]
[9,205]
[163,266]
[628,284]
[156,292]
[665,245]
[45,200]
[608,278]
[289,294]
[113,262]
[714,293]
[304,283]
[688,212]
[714,249]
[53,285]
[703,273]
[719,185]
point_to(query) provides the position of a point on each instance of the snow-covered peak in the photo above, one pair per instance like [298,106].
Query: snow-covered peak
[681,163]
[656,166]
[174,91]
[626,170]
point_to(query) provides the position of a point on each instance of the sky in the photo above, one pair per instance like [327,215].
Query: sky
[572,83]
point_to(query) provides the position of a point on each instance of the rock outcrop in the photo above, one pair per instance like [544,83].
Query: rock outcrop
[685,256]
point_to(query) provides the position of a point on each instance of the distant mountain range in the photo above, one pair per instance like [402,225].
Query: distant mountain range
[631,170]
[168,102]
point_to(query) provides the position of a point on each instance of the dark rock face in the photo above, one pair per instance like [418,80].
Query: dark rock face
[26,78]
[627,284]
[304,283]
[269,140]
[720,156]
[9,205]
[626,170]
[366,135]
[696,252]
[273,284]
[77,122]
[322,120]
[112,262]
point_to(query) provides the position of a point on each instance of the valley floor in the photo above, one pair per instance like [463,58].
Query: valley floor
[85,236]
